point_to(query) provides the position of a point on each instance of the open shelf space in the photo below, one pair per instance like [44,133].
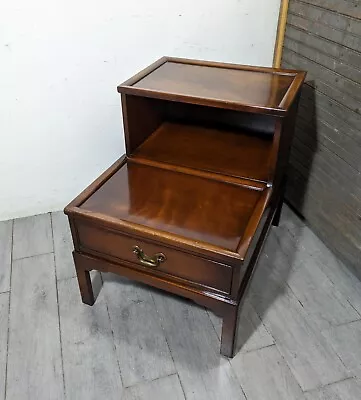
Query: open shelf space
[225,151]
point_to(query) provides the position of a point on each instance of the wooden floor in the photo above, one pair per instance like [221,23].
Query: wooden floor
[300,327]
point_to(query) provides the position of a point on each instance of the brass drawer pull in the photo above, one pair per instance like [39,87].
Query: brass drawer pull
[152,262]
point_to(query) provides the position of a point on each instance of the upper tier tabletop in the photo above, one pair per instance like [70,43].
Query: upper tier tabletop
[238,87]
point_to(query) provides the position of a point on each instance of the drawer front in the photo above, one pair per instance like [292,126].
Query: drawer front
[175,263]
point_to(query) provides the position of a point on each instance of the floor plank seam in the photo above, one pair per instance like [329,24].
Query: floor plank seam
[34,255]
[350,378]
[258,348]
[314,253]
[151,380]
[58,308]
[349,302]
[8,333]
[335,351]
[342,324]
[169,347]
[314,327]
[237,379]
[66,278]
[265,327]
[164,333]
[301,244]
[60,336]
[347,371]
[181,384]
[212,324]
[226,358]
[288,366]
[113,338]
[332,281]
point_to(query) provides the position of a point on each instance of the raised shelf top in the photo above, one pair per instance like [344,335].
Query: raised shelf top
[238,87]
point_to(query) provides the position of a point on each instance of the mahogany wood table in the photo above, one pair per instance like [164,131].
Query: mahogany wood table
[189,206]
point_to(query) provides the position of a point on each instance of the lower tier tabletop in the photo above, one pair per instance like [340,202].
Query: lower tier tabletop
[201,211]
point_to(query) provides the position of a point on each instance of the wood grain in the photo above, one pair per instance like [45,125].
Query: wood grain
[337,272]
[6,230]
[221,85]
[341,276]
[214,150]
[140,344]
[194,345]
[228,85]
[252,334]
[281,27]
[330,13]
[63,246]
[208,129]
[91,368]
[316,363]
[349,389]
[176,263]
[161,389]
[34,360]
[346,340]
[325,31]
[319,297]
[324,45]
[261,371]
[32,236]
[286,320]
[264,375]
[4,317]
[346,85]
[341,69]
[171,209]
[324,37]
[344,7]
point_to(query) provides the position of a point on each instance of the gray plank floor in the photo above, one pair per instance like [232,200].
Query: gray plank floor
[299,336]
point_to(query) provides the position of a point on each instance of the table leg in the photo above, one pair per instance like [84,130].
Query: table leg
[85,284]
[229,331]
[84,280]
[277,216]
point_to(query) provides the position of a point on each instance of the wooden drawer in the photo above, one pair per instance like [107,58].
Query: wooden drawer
[104,242]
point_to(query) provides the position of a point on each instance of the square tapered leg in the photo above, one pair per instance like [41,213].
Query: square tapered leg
[229,331]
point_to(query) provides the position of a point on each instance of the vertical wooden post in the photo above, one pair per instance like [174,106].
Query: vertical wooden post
[281,28]
[84,281]
[229,331]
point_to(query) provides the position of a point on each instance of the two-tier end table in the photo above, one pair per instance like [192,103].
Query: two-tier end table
[189,206]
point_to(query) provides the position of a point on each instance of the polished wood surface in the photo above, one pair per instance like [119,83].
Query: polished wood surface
[189,207]
[245,88]
[177,203]
[225,151]
[155,112]
[192,269]
[241,86]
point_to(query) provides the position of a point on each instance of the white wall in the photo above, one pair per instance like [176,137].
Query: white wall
[60,63]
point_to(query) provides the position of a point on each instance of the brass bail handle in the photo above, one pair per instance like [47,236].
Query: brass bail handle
[152,262]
